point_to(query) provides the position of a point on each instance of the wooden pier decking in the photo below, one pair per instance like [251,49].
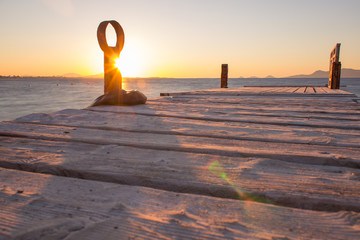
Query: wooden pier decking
[237,163]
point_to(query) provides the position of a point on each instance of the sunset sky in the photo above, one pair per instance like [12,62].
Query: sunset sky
[179,38]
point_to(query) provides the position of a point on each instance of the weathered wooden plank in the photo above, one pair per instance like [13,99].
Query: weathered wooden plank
[312,154]
[262,106]
[321,90]
[310,90]
[34,205]
[270,90]
[263,110]
[220,91]
[193,147]
[280,90]
[254,91]
[316,186]
[193,127]
[206,114]
[285,100]
[288,89]
[311,101]
[262,94]
[326,90]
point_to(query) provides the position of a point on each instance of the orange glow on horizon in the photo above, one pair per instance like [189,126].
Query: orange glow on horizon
[56,38]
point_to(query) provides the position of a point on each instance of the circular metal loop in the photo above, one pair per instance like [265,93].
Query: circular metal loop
[101,35]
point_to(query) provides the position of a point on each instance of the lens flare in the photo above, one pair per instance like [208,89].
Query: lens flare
[215,167]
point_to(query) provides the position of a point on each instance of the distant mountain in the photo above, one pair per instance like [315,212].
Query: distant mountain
[270,76]
[350,73]
[345,73]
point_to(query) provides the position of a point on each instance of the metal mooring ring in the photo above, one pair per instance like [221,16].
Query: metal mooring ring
[101,35]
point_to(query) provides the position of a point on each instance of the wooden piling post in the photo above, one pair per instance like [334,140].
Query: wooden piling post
[335,68]
[224,76]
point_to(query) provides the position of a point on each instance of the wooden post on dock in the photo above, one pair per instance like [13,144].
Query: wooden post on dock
[112,75]
[335,68]
[224,76]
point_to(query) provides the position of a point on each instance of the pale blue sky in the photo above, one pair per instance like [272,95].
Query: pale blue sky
[180,38]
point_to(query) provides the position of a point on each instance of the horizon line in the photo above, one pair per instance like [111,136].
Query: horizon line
[96,76]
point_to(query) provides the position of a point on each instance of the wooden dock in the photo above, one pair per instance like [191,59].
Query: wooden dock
[237,163]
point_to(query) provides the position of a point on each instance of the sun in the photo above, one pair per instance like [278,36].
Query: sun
[129,63]
[117,63]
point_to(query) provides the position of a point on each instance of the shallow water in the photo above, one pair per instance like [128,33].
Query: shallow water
[19,97]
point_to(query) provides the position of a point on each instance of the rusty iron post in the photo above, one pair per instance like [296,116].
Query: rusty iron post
[112,75]
[224,76]
[335,68]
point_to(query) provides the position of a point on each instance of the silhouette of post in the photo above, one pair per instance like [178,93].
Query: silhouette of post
[335,68]
[224,76]
[112,75]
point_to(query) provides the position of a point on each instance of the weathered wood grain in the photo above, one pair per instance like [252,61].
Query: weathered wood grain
[290,91]
[310,154]
[335,68]
[263,147]
[325,102]
[197,127]
[346,109]
[320,187]
[264,110]
[234,117]
[37,206]
[224,76]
